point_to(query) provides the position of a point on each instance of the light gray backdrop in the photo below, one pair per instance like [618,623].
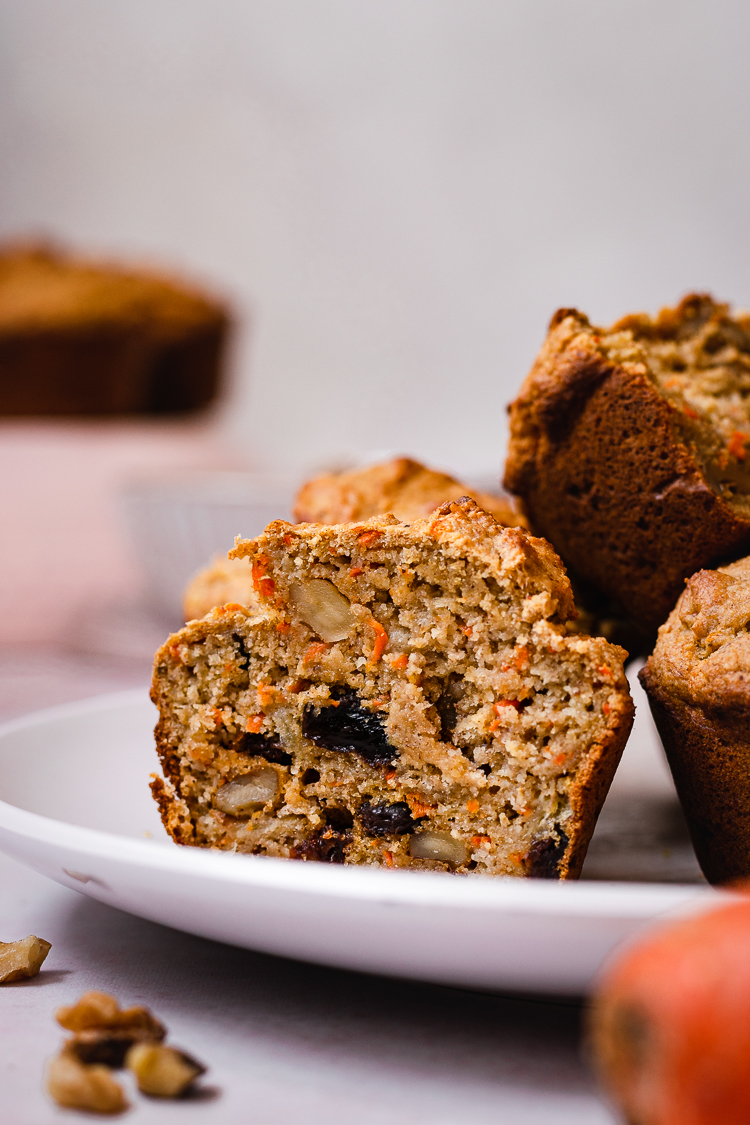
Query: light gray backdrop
[399,192]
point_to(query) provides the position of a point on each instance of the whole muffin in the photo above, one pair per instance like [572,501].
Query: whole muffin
[405,487]
[698,685]
[629,449]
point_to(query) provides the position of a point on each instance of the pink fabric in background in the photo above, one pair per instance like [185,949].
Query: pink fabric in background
[64,547]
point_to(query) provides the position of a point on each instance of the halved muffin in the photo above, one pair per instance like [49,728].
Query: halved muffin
[405,694]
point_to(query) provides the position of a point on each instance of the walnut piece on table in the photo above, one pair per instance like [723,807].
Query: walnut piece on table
[107,1037]
[101,1011]
[162,1072]
[20,960]
[73,1084]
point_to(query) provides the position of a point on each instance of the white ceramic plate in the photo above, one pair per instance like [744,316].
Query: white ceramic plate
[75,805]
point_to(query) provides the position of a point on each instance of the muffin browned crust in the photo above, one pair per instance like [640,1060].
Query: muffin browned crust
[404,695]
[401,486]
[698,684]
[629,449]
[82,337]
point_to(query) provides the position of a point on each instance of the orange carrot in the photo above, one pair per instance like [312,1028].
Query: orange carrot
[381,640]
[670,1022]
[367,538]
[418,805]
[265,694]
[736,445]
[506,703]
[254,723]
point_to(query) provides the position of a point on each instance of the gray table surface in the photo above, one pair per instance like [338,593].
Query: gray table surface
[285,1042]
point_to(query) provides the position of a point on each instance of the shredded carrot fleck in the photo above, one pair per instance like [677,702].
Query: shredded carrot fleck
[472,806]
[400,661]
[481,841]
[390,774]
[466,630]
[298,686]
[264,586]
[672,382]
[506,703]
[736,445]
[380,701]
[218,717]
[690,413]
[388,856]
[254,723]
[381,640]
[283,627]
[367,538]
[175,651]
[604,672]
[418,805]
[355,571]
[258,569]
[521,658]
[289,539]
[265,694]
[606,708]
[234,606]
[436,526]
[494,725]
[314,652]
[559,759]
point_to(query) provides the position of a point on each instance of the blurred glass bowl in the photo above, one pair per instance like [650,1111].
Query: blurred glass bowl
[177,524]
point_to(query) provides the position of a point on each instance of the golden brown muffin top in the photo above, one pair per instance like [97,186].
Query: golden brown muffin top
[45,289]
[459,529]
[696,356]
[702,654]
[404,487]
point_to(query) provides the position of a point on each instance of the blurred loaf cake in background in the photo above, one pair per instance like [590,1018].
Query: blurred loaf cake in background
[629,449]
[404,487]
[79,337]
